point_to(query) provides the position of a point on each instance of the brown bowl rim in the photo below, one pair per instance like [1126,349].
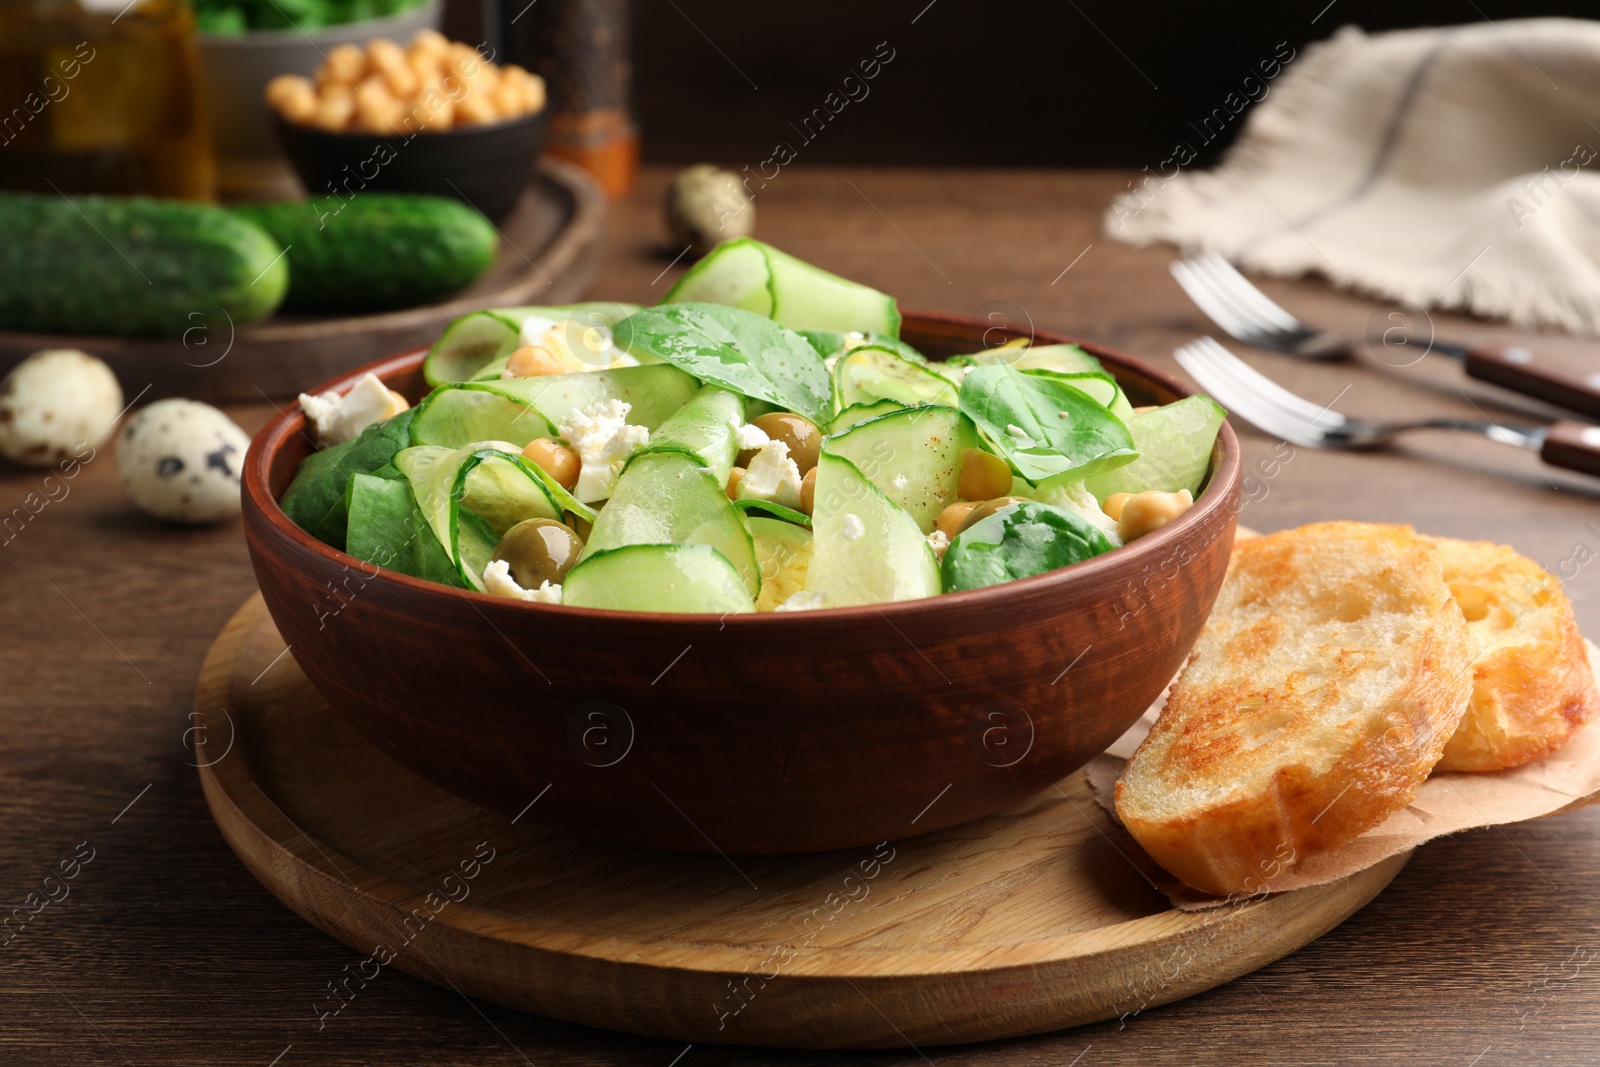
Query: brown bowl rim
[1225,472]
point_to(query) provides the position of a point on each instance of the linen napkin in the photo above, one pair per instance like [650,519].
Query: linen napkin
[1456,168]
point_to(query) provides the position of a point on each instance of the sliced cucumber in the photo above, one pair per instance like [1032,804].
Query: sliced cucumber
[804,296]
[519,409]
[876,372]
[471,343]
[783,552]
[467,344]
[706,428]
[754,276]
[668,498]
[688,579]
[913,455]
[1174,443]
[861,413]
[734,274]
[500,488]
[865,549]
[1063,359]
[788,516]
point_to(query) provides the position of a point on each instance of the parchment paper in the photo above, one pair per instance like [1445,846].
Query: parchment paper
[1447,803]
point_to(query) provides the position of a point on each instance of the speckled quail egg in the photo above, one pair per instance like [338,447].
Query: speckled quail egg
[180,461]
[705,205]
[56,404]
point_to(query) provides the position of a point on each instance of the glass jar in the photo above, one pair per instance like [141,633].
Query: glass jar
[102,97]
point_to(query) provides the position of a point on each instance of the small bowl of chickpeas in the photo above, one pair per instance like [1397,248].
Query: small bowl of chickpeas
[432,116]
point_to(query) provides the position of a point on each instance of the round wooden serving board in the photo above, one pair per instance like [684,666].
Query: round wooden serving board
[549,252]
[1039,918]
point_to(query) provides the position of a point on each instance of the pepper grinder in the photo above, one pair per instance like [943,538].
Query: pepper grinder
[584,51]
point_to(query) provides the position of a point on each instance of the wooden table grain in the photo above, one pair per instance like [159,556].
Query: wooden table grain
[164,950]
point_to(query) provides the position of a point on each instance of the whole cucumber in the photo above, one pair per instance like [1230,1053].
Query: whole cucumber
[131,265]
[376,250]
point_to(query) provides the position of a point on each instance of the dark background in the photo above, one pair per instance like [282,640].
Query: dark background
[1040,83]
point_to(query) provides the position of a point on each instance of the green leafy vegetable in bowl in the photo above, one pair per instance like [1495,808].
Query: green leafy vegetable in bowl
[242,16]
[760,441]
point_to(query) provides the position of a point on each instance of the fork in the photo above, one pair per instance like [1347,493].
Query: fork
[1253,396]
[1234,303]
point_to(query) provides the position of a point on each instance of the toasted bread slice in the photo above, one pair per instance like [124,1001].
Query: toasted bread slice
[1332,670]
[1532,687]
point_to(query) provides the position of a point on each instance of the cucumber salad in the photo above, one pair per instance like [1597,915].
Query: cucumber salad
[761,440]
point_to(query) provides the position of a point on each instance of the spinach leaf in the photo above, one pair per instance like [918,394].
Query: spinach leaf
[315,500]
[388,528]
[738,350]
[1019,541]
[1042,425]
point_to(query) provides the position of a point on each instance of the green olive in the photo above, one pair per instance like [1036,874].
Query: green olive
[539,550]
[987,508]
[796,431]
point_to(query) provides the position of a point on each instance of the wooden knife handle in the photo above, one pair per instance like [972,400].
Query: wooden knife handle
[1574,446]
[1522,370]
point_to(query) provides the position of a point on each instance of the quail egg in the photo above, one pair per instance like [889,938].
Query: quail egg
[180,461]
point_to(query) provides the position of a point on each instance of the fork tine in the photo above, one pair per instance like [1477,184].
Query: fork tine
[1247,292]
[1319,415]
[1214,377]
[1216,305]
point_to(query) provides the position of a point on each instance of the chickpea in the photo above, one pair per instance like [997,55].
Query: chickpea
[539,550]
[1113,504]
[985,508]
[796,431]
[736,476]
[508,98]
[530,85]
[984,475]
[430,41]
[557,460]
[293,97]
[476,108]
[533,361]
[426,67]
[334,111]
[443,117]
[1147,512]
[950,519]
[808,491]
[389,61]
[346,64]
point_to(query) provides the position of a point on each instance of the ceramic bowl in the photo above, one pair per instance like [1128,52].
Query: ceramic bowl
[486,167]
[752,733]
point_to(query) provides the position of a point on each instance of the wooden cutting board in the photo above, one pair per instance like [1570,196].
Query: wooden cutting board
[1038,918]
[549,252]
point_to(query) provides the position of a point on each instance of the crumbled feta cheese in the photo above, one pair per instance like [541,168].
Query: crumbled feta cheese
[853,526]
[899,482]
[751,436]
[938,541]
[497,581]
[1019,433]
[773,476]
[832,361]
[340,418]
[804,600]
[603,440]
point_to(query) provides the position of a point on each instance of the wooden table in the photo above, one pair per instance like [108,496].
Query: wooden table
[167,951]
